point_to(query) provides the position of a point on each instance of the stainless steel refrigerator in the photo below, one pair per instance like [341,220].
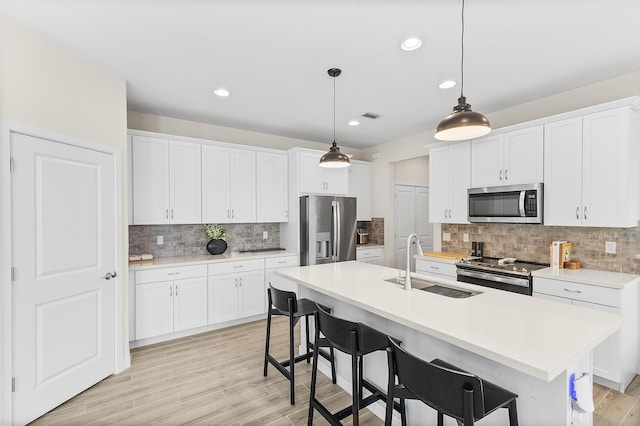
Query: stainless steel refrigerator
[327,229]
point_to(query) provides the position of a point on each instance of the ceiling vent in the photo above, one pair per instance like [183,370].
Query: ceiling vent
[371,115]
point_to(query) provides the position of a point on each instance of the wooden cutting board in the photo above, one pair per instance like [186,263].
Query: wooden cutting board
[443,255]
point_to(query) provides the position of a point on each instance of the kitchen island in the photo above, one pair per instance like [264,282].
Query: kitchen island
[530,346]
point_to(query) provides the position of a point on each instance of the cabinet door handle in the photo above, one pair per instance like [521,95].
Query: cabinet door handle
[236,282]
[505,175]
[286,213]
[228,214]
[176,293]
[238,266]
[500,174]
[240,281]
[171,213]
[434,267]
[282,261]
[232,214]
[171,291]
[166,213]
[578,213]
[585,212]
[572,291]
[445,213]
[173,273]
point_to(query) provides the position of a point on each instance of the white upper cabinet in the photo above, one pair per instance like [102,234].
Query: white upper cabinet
[272,187]
[228,185]
[360,187]
[314,179]
[216,190]
[509,158]
[243,186]
[166,181]
[449,179]
[591,176]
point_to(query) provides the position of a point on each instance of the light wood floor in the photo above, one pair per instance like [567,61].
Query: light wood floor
[216,378]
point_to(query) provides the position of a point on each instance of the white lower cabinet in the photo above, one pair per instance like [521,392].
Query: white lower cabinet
[236,290]
[435,267]
[170,300]
[615,360]
[275,263]
[373,255]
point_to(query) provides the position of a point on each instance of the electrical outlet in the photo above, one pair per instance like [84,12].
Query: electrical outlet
[265,235]
[446,236]
[465,238]
[160,240]
[610,247]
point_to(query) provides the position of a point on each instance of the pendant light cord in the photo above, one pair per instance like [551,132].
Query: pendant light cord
[462,56]
[334,110]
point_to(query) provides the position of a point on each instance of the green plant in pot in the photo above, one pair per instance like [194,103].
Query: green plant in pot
[216,244]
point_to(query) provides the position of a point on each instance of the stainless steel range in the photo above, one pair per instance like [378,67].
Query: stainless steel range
[506,274]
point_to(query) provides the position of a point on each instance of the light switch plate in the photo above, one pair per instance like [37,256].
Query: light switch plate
[465,238]
[446,236]
[160,240]
[610,247]
[265,235]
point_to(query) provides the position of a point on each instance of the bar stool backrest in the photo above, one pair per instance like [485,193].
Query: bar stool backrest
[283,300]
[337,331]
[454,393]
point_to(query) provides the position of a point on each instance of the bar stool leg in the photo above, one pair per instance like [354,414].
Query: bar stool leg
[356,386]
[314,373]
[307,337]
[292,361]
[333,365]
[266,348]
[513,414]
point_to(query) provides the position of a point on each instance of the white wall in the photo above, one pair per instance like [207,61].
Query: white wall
[413,172]
[384,155]
[47,87]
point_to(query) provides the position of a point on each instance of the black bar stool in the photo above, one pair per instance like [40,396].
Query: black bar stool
[357,340]
[445,388]
[286,303]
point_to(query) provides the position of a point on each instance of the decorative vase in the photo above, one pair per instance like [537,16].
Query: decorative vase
[216,246]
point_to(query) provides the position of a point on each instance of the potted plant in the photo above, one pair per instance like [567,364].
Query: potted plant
[216,244]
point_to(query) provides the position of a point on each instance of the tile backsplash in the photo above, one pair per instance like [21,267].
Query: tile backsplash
[188,240]
[375,228]
[531,243]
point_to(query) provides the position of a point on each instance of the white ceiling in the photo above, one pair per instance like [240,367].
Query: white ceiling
[273,56]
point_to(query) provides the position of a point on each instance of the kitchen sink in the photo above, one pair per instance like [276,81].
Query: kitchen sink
[437,288]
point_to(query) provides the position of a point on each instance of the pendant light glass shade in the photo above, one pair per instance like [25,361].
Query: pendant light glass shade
[462,123]
[334,159]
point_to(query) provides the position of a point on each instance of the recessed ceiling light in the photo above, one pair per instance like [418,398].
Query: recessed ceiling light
[448,84]
[222,92]
[411,43]
[354,123]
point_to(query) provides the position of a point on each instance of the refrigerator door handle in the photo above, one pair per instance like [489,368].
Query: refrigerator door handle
[338,233]
[334,224]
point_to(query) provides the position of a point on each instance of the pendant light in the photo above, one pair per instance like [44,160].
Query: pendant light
[462,123]
[334,158]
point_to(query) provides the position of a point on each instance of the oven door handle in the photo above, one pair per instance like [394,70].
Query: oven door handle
[521,282]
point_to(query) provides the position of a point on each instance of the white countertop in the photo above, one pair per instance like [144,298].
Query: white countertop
[165,262]
[617,280]
[536,336]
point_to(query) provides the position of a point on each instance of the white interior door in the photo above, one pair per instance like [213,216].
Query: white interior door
[424,228]
[63,247]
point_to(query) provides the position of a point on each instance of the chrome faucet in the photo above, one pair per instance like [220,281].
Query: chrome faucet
[407,279]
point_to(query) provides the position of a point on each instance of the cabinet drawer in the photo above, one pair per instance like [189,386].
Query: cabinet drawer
[366,253]
[233,267]
[281,262]
[576,291]
[440,268]
[168,274]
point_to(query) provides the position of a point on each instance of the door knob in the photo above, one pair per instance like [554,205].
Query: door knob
[109,275]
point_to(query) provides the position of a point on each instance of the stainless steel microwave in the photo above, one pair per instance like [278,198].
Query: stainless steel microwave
[506,204]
